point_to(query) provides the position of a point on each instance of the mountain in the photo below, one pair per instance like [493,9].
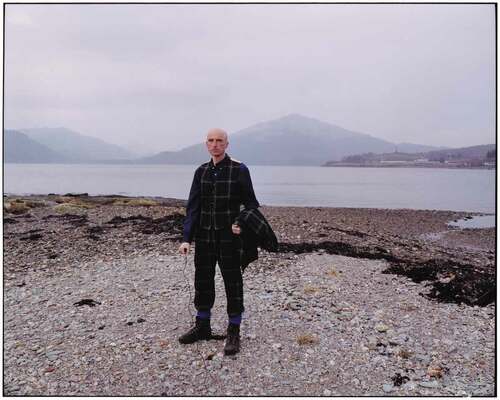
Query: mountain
[290,140]
[19,148]
[77,147]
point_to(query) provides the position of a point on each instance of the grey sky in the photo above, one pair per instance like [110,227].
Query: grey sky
[156,77]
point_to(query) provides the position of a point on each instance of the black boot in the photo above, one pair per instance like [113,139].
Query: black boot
[233,340]
[201,331]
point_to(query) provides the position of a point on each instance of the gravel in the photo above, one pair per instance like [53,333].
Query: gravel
[53,347]
[95,309]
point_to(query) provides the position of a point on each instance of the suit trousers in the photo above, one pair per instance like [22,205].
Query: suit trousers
[225,248]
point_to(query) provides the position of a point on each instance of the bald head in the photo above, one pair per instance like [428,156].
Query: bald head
[217,133]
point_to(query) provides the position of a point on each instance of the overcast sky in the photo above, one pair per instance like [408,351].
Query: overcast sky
[156,77]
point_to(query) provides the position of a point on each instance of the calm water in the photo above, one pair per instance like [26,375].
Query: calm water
[416,188]
[482,221]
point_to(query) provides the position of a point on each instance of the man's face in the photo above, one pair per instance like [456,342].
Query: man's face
[216,143]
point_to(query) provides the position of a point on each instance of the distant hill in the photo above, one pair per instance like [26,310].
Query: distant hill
[472,152]
[20,148]
[474,156]
[291,140]
[77,147]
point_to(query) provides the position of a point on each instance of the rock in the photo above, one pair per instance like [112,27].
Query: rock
[372,342]
[292,305]
[398,340]
[388,387]
[424,358]
[380,327]
[327,392]
[429,384]
[409,386]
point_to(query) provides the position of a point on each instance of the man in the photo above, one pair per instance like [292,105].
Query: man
[219,188]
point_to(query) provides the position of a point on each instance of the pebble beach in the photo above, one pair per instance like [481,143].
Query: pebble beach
[356,302]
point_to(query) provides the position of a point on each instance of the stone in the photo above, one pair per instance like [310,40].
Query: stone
[409,386]
[388,387]
[380,327]
[429,384]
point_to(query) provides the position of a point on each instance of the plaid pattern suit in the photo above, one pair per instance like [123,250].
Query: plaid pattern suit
[219,195]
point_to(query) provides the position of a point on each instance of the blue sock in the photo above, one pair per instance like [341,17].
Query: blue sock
[203,314]
[235,319]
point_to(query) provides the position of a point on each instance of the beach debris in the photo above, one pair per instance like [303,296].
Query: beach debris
[86,302]
[73,219]
[310,289]
[398,379]
[16,206]
[277,346]
[447,278]
[380,327]
[306,339]
[435,371]
[404,353]
[170,223]
[94,232]
[32,234]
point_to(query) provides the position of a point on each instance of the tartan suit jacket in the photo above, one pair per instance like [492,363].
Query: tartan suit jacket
[256,232]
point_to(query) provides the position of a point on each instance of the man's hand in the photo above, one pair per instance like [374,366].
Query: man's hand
[236,229]
[184,248]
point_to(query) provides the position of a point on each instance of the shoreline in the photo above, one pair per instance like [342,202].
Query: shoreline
[418,243]
[409,166]
[182,202]
[118,163]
